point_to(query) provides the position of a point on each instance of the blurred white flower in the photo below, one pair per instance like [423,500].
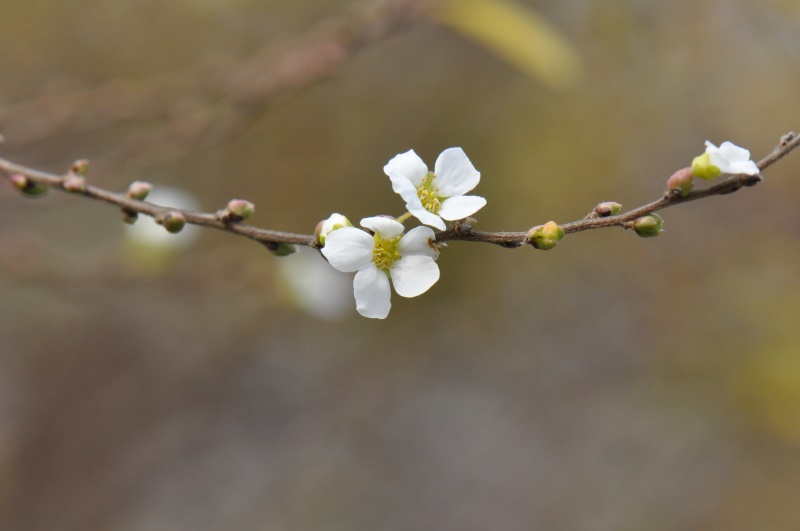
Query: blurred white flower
[314,286]
[149,247]
[409,261]
[148,234]
[435,196]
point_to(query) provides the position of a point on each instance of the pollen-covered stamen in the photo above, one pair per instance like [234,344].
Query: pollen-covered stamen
[385,253]
[428,193]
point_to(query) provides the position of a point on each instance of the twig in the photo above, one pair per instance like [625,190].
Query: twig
[211,103]
[729,185]
[460,231]
[264,236]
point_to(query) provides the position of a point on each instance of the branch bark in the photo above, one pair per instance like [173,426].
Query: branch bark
[459,231]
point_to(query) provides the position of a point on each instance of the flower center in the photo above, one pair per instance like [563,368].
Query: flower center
[385,253]
[428,194]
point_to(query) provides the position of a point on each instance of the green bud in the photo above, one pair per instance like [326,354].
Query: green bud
[607,208]
[238,210]
[74,182]
[129,216]
[702,167]
[545,236]
[281,249]
[19,181]
[681,182]
[649,225]
[325,227]
[139,190]
[26,186]
[172,221]
[80,167]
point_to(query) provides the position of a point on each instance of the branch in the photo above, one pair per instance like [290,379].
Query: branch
[72,182]
[131,206]
[729,185]
[212,102]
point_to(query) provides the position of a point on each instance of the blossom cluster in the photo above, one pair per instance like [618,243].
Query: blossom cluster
[384,255]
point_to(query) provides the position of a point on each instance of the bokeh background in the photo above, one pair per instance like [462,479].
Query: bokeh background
[613,383]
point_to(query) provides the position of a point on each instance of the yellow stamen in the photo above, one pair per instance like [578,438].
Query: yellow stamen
[385,253]
[428,194]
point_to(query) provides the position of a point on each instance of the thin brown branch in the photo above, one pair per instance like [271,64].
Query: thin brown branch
[728,185]
[215,221]
[460,231]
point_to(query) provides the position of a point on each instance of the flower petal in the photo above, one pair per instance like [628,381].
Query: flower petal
[461,206]
[413,275]
[406,190]
[406,166]
[388,228]
[455,174]
[426,217]
[730,158]
[348,249]
[744,167]
[418,241]
[732,152]
[373,295]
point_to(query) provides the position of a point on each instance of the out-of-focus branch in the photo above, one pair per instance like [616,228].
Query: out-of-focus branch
[23,176]
[210,103]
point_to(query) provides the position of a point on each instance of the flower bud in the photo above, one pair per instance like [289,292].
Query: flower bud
[281,249]
[139,190]
[681,182]
[545,236]
[702,167]
[80,167]
[26,186]
[129,216]
[238,210]
[19,181]
[649,225]
[325,227]
[74,182]
[607,208]
[172,221]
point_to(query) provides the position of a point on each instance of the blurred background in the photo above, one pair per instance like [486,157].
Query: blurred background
[613,383]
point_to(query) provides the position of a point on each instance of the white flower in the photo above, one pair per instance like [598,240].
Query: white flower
[437,195]
[326,226]
[727,158]
[410,262]
[311,284]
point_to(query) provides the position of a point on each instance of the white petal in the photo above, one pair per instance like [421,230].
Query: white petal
[373,295]
[388,228]
[348,249]
[744,167]
[715,158]
[733,153]
[406,190]
[730,158]
[408,166]
[418,241]
[426,217]
[460,207]
[414,275]
[455,174]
